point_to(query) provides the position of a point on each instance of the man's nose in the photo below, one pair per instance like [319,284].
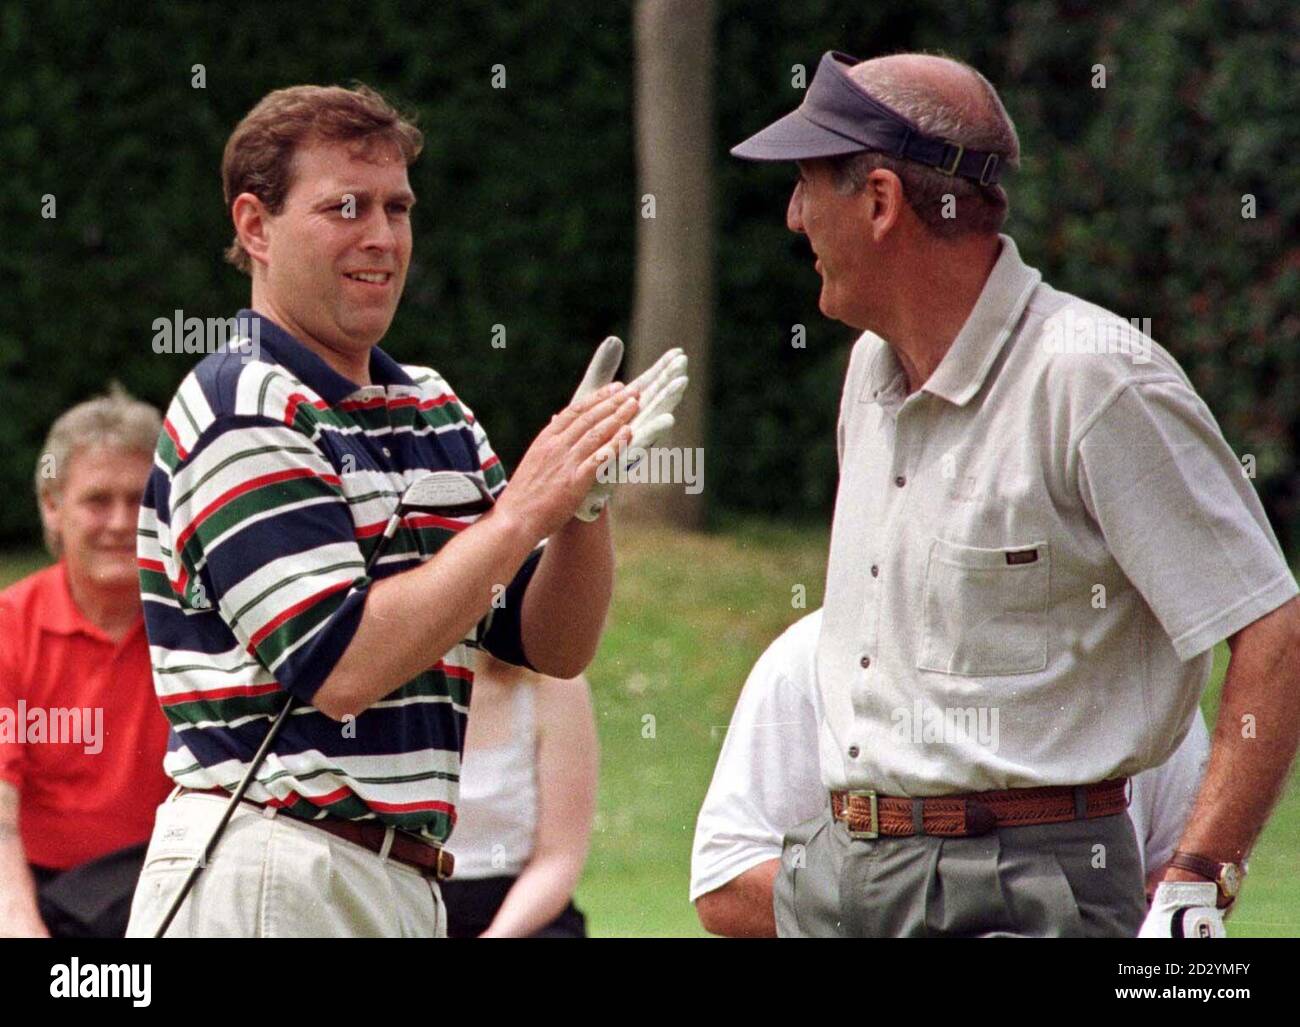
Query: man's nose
[794,213]
[125,515]
[379,234]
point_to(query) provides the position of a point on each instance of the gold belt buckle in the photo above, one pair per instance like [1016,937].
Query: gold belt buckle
[870,795]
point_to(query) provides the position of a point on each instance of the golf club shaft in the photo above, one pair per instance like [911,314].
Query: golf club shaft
[238,795]
[390,529]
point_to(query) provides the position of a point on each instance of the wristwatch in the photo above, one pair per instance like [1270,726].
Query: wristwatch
[1226,875]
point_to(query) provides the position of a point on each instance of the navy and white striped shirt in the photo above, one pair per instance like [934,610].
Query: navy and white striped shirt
[273,480]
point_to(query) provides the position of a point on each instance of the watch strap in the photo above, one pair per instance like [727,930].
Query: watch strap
[1207,868]
[1225,876]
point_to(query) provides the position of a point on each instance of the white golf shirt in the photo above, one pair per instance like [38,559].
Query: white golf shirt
[767,779]
[1033,555]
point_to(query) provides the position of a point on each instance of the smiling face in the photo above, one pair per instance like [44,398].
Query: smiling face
[839,231]
[330,267]
[93,512]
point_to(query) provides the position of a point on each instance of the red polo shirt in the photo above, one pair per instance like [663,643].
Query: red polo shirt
[81,733]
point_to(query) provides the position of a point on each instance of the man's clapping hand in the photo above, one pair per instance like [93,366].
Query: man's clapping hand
[560,466]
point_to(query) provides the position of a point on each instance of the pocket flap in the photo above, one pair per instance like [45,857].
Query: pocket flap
[1006,558]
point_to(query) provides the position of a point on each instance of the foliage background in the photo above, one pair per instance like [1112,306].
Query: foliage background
[1130,195]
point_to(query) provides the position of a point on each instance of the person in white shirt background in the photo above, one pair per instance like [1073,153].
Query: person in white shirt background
[527,801]
[765,784]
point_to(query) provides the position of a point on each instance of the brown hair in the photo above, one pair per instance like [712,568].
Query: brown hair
[259,153]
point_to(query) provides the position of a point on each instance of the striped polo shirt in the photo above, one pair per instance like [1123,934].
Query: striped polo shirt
[273,480]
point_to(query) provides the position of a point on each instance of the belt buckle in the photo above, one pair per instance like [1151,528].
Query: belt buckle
[870,795]
[446,864]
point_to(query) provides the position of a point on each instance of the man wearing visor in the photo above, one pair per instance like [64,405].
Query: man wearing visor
[1040,534]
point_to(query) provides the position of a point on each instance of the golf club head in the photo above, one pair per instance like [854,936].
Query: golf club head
[448,493]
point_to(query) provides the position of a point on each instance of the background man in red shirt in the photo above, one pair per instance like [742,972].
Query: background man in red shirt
[81,735]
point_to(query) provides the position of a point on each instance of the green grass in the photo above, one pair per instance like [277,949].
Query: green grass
[691,615]
[19,564]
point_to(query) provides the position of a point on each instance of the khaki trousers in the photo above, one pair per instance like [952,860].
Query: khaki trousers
[1082,878]
[272,876]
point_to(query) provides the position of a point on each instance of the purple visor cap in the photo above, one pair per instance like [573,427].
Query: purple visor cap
[839,117]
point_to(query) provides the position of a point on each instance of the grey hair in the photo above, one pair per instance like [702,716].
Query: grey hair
[116,419]
[979,210]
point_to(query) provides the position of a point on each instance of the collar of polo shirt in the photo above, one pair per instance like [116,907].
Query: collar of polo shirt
[966,365]
[317,375]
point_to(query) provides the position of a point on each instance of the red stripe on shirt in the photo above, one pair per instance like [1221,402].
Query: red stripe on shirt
[170,429]
[362,404]
[219,693]
[366,530]
[293,611]
[410,807]
[248,486]
[295,400]
[453,671]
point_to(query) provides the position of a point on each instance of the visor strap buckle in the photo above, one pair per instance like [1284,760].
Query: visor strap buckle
[949,167]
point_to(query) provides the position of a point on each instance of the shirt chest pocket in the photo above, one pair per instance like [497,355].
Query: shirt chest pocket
[985,609]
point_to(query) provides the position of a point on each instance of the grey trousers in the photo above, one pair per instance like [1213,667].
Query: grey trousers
[1082,878]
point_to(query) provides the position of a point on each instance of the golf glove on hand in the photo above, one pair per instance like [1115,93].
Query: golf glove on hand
[1184,909]
[661,389]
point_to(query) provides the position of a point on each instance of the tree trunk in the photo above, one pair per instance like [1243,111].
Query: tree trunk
[674,269]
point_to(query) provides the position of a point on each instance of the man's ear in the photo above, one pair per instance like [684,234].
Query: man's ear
[253,226]
[883,193]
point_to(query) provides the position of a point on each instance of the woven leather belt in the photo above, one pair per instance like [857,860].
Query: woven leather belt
[868,815]
[431,860]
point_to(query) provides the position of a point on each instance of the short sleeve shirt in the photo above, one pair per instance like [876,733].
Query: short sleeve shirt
[767,781]
[81,735]
[274,479]
[1032,555]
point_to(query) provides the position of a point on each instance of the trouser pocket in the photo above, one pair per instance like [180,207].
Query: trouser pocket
[225,899]
[806,892]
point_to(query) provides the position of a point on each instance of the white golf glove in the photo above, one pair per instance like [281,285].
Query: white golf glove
[1184,909]
[661,390]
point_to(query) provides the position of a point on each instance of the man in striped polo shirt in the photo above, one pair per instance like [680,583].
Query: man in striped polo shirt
[273,480]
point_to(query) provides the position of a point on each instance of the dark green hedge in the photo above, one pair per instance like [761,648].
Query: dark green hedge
[1131,196]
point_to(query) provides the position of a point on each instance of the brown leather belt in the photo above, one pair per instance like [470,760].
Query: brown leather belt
[430,859]
[868,815]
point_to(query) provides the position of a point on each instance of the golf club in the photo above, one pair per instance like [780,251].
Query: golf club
[443,493]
